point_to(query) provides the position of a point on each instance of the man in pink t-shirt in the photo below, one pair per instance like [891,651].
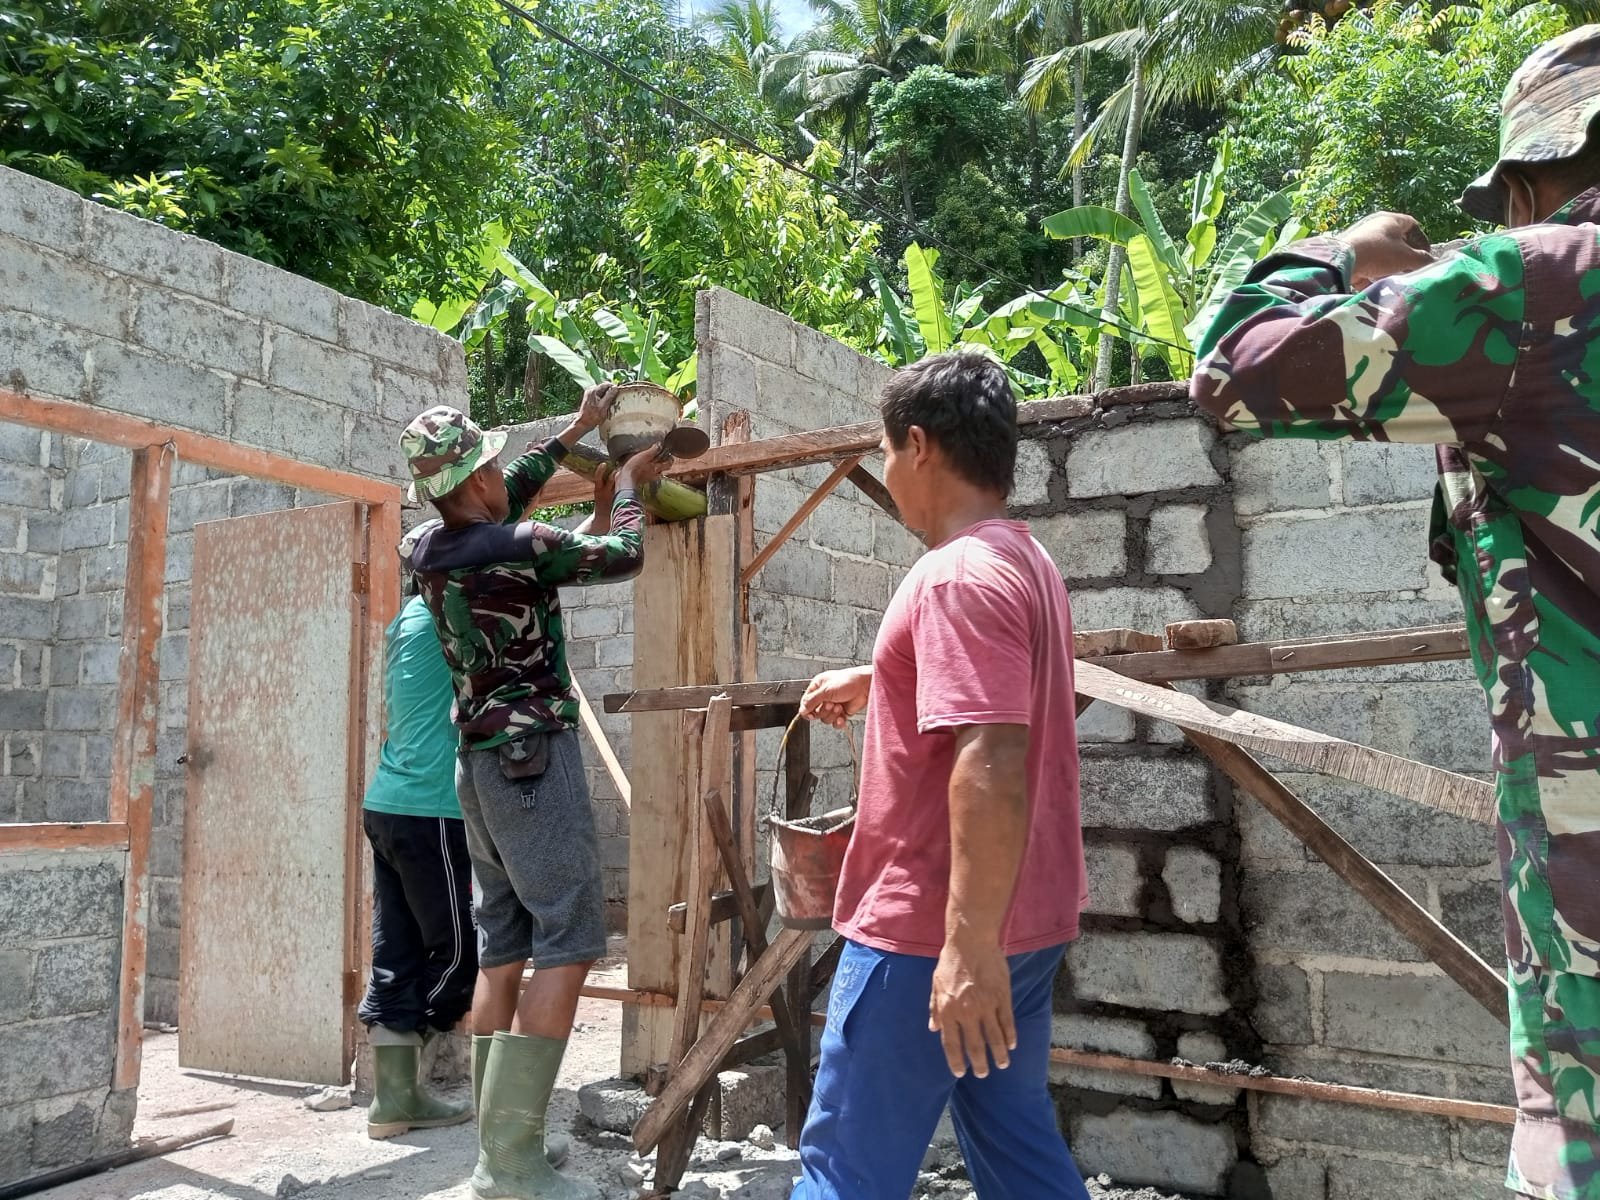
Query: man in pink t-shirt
[964,878]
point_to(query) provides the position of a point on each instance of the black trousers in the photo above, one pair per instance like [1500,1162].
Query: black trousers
[424,949]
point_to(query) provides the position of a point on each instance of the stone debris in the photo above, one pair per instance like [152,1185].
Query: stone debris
[330,1099]
[761,1137]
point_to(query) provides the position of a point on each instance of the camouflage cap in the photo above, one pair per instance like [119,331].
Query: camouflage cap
[442,447]
[1544,114]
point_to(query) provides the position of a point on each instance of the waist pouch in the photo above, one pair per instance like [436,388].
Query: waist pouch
[526,757]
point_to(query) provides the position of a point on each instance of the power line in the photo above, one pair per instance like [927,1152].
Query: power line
[733,135]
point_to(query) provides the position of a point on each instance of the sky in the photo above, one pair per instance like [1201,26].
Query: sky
[793,15]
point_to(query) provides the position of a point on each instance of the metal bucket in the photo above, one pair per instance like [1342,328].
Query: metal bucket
[808,856]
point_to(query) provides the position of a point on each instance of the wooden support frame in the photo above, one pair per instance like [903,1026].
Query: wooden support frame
[798,519]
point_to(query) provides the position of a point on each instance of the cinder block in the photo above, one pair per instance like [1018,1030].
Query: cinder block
[82,528]
[16,1124]
[404,395]
[22,709]
[257,289]
[1166,793]
[42,357]
[1200,1049]
[22,755]
[83,616]
[76,977]
[1114,880]
[862,584]
[301,428]
[1472,911]
[100,663]
[1091,544]
[758,331]
[62,290]
[24,486]
[1164,1149]
[1031,484]
[1296,1119]
[1176,971]
[1313,911]
[374,447]
[251,496]
[64,1138]
[115,1130]
[819,628]
[40,212]
[1105,723]
[27,620]
[818,356]
[1420,1016]
[1486,1144]
[1387,472]
[1272,475]
[325,372]
[1363,1178]
[1283,1004]
[137,247]
[1145,609]
[750,1096]
[22,445]
[1157,456]
[378,333]
[728,377]
[66,899]
[105,569]
[614,1105]
[615,651]
[210,501]
[1176,541]
[1349,553]
[26,575]
[1297,1177]
[843,522]
[79,708]
[187,329]
[16,985]
[894,545]
[1194,884]
[796,570]
[43,533]
[63,756]
[1391,830]
[146,385]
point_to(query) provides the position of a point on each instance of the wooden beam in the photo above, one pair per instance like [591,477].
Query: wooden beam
[726,1025]
[800,785]
[1417,924]
[133,746]
[63,835]
[117,429]
[1439,643]
[798,519]
[763,716]
[602,745]
[870,487]
[714,754]
[742,695]
[1444,790]
[724,908]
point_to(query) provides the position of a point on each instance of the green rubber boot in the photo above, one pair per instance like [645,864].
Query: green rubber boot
[400,1103]
[556,1145]
[518,1078]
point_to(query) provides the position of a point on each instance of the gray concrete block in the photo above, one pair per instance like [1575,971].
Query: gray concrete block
[1388,829]
[302,428]
[750,1096]
[591,622]
[22,445]
[104,569]
[1363,1178]
[1313,911]
[14,531]
[404,395]
[42,357]
[76,977]
[1091,544]
[1297,1178]
[862,584]
[818,356]
[63,755]
[867,626]
[24,486]
[1115,883]
[797,570]
[180,559]
[22,709]
[614,651]
[614,1105]
[41,212]
[22,754]
[210,501]
[1033,475]
[26,575]
[374,447]
[133,246]
[83,616]
[1387,472]
[1296,1119]
[1151,457]
[77,800]
[1105,724]
[1176,971]
[1146,609]
[378,333]
[58,1058]
[83,528]
[44,533]
[196,332]
[97,756]
[751,327]
[16,984]
[146,385]
[16,1123]
[65,1138]
[1176,541]
[248,497]
[1489,1145]
[1201,1048]
[273,294]
[61,289]
[1350,553]
[28,620]
[819,628]
[728,379]
[1283,1004]
[1423,1016]
[80,708]
[83,486]
[1472,911]
[894,544]
[1272,475]
[1103,1035]
[115,1129]
[316,369]
[1194,884]
[1167,793]
[844,524]
[1164,1149]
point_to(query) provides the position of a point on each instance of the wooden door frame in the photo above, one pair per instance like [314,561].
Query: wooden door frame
[130,811]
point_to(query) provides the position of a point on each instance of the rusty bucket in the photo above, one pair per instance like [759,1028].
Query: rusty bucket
[808,855]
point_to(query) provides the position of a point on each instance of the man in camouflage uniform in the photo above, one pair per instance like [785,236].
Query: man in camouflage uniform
[1493,354]
[490,580]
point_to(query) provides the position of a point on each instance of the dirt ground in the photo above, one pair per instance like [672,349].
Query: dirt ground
[279,1148]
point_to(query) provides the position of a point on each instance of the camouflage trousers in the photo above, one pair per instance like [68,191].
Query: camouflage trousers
[1555,1062]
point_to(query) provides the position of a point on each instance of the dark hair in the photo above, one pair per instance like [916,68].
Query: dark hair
[964,402]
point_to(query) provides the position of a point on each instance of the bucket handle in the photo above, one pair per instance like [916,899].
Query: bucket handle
[855,759]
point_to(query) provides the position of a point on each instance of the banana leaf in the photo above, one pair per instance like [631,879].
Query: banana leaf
[927,298]
[1092,220]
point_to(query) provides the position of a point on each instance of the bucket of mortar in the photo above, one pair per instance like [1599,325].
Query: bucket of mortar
[641,415]
[808,854]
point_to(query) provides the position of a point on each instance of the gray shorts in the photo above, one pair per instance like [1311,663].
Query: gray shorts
[535,860]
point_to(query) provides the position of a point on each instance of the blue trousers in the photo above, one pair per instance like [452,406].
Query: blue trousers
[883,1083]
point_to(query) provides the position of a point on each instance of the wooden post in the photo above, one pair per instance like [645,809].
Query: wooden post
[133,753]
[798,786]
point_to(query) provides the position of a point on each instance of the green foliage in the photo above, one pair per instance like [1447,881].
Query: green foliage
[1392,108]
[349,140]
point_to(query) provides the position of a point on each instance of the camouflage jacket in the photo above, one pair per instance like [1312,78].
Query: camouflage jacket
[1493,354]
[492,592]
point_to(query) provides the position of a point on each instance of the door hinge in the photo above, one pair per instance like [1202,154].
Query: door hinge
[358,578]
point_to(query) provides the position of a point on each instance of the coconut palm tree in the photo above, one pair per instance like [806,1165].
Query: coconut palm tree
[746,35]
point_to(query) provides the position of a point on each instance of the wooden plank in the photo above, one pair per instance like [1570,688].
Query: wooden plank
[268,779]
[1416,923]
[724,907]
[1431,786]
[117,429]
[872,488]
[713,781]
[602,745]
[646,699]
[721,1033]
[683,630]
[1201,635]
[763,716]
[799,787]
[799,518]
[133,746]
[1384,648]
[63,835]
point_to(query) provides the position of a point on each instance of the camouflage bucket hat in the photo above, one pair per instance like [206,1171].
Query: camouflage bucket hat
[442,447]
[1544,114]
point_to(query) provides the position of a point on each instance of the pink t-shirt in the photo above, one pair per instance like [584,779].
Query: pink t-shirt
[978,634]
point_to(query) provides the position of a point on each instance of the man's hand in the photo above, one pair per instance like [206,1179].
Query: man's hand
[835,696]
[596,406]
[1386,244]
[970,1008]
[598,523]
[643,467]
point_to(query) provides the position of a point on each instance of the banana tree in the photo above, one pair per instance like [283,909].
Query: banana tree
[1178,286]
